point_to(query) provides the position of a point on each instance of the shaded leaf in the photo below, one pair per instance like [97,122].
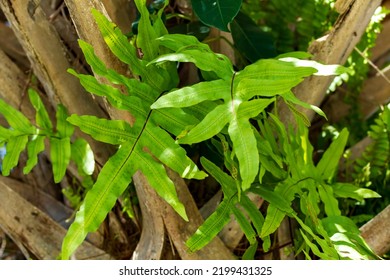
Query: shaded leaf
[216,13]
[250,40]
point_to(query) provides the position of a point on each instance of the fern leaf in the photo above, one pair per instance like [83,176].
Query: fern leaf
[144,146]
[329,161]
[168,152]
[245,147]
[210,126]
[42,117]
[211,227]
[158,179]
[64,128]
[113,132]
[330,202]
[347,190]
[113,179]
[15,145]
[198,53]
[146,39]
[82,155]
[16,119]
[34,147]
[245,225]
[118,43]
[60,151]
[189,96]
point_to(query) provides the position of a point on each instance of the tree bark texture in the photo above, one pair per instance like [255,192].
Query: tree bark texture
[333,48]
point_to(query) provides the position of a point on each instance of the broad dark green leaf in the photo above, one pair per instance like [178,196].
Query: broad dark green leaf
[216,13]
[194,28]
[250,40]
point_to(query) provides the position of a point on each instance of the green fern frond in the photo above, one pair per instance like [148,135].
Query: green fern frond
[376,156]
[23,134]
[145,145]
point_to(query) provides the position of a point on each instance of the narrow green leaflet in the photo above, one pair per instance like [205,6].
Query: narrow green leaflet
[82,155]
[189,96]
[16,119]
[345,235]
[15,146]
[60,151]
[126,52]
[42,117]
[146,39]
[347,190]
[216,13]
[330,202]
[64,128]
[113,132]
[245,225]
[330,160]
[113,179]
[34,147]
[211,227]
[198,53]
[245,147]
[158,179]
[227,183]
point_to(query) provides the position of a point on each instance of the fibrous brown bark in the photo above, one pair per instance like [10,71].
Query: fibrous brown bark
[36,230]
[333,48]
[376,232]
[50,60]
